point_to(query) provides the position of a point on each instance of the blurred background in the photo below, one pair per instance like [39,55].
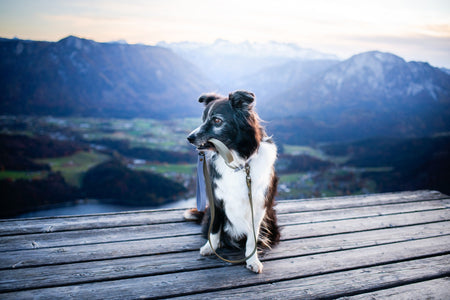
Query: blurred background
[97,97]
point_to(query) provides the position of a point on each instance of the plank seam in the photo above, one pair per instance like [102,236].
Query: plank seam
[262,258]
[182,221]
[240,286]
[374,195]
[389,286]
[198,234]
[443,275]
[290,224]
[363,205]
[370,216]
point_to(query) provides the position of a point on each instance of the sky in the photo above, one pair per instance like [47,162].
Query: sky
[413,29]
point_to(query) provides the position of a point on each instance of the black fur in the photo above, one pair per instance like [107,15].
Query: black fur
[271,229]
[241,124]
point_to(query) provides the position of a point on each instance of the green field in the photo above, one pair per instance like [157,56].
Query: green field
[168,168]
[29,175]
[74,166]
[170,135]
[295,177]
[314,152]
[147,133]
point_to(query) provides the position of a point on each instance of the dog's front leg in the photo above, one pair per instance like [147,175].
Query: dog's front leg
[253,262]
[215,233]
[215,241]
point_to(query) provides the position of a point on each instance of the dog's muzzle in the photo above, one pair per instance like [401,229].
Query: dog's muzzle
[192,138]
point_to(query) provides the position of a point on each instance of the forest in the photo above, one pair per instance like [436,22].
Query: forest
[78,157]
[31,177]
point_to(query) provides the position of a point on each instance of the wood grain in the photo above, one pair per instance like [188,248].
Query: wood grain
[394,245]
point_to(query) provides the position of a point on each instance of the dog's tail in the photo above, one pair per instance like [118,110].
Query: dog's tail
[193,215]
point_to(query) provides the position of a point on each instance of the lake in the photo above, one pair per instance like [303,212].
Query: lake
[84,207]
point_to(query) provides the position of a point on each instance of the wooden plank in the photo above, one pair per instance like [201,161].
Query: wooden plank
[370,223]
[66,223]
[122,249]
[142,265]
[68,254]
[315,204]
[82,237]
[431,289]
[360,212]
[97,236]
[425,194]
[350,282]
[217,279]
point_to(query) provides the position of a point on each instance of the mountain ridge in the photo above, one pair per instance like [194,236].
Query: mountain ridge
[228,63]
[77,76]
[370,94]
[373,77]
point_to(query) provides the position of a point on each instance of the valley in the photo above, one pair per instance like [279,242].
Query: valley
[78,114]
[159,147]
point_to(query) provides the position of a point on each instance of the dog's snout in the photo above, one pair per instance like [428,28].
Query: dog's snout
[191,138]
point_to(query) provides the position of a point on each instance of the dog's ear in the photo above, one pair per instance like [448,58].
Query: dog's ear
[208,98]
[242,99]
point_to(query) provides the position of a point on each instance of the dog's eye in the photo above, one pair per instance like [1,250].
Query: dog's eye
[217,121]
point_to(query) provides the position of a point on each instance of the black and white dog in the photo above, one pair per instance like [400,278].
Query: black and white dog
[233,121]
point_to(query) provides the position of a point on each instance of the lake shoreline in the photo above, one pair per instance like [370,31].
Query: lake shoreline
[96,206]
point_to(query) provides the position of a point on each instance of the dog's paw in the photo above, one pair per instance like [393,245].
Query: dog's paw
[255,266]
[206,250]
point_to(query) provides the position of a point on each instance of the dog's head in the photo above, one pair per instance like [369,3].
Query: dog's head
[230,120]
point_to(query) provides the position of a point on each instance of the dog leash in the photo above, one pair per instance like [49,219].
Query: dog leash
[228,157]
[201,188]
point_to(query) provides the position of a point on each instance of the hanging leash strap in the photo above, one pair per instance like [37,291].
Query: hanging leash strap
[201,188]
[210,194]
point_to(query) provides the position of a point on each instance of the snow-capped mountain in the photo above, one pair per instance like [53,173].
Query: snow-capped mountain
[369,94]
[374,78]
[249,49]
[228,63]
[383,75]
[269,82]
[307,96]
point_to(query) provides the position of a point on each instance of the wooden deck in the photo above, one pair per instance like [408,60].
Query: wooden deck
[378,246]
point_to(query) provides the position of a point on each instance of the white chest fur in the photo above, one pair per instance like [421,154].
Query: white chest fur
[232,189]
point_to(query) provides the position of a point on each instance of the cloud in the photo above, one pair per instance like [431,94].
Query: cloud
[438,30]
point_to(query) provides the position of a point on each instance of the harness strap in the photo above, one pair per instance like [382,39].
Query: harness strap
[211,197]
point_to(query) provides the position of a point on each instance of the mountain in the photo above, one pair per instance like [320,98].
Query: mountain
[310,96]
[229,64]
[268,83]
[247,49]
[307,96]
[84,78]
[370,94]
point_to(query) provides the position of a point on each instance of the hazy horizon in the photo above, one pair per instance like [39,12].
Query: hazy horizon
[414,30]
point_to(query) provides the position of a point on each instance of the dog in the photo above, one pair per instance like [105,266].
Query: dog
[233,121]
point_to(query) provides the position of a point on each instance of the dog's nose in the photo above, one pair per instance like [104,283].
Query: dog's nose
[191,138]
